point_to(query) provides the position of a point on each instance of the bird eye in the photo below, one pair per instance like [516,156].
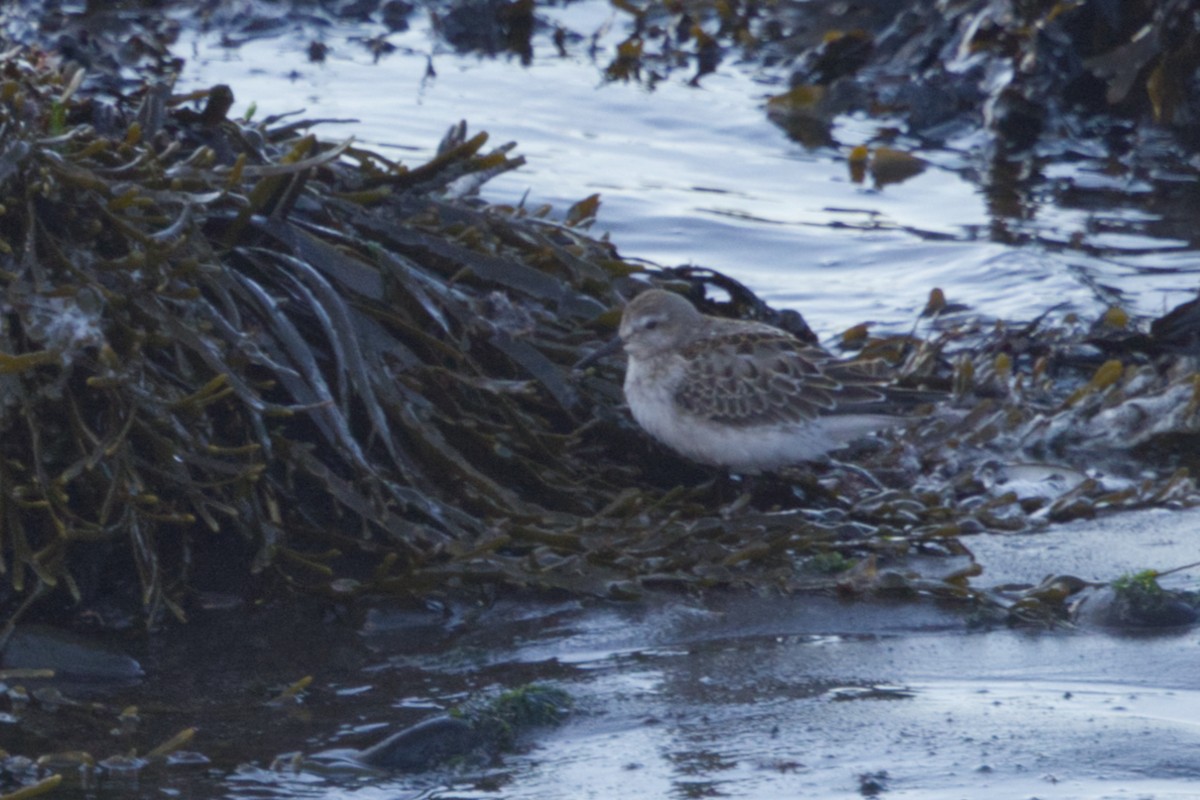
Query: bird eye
[651,324]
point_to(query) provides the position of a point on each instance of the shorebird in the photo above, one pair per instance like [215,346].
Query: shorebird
[745,396]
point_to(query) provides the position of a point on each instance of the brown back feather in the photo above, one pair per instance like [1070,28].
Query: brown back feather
[802,382]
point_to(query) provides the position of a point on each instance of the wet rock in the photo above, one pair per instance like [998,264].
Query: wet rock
[490,27]
[487,727]
[424,745]
[1135,602]
[1179,329]
[395,14]
[68,654]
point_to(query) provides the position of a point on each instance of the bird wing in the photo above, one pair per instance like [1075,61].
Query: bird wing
[762,376]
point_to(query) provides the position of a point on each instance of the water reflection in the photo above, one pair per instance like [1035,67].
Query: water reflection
[699,175]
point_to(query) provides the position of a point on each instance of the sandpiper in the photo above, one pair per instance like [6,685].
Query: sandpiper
[742,395]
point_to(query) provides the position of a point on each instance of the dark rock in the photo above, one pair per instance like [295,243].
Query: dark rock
[424,745]
[68,654]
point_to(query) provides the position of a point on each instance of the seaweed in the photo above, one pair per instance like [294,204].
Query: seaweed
[207,320]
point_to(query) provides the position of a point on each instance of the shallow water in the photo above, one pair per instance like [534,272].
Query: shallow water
[699,175]
[728,695]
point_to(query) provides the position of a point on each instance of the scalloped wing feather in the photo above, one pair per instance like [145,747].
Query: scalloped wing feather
[762,376]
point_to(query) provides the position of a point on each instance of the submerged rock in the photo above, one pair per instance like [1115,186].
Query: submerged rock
[69,655]
[486,727]
[1137,602]
[424,745]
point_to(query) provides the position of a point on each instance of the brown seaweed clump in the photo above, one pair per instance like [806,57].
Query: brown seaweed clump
[227,345]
